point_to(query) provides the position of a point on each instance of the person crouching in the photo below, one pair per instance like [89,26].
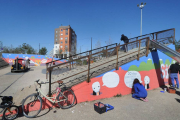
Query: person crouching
[139,92]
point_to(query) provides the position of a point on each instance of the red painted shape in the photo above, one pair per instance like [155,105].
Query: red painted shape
[83,91]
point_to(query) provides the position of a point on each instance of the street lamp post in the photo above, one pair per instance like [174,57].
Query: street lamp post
[141,7]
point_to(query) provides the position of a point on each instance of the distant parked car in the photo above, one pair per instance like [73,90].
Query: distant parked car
[20,65]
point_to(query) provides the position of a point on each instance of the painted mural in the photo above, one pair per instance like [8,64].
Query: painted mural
[35,60]
[152,71]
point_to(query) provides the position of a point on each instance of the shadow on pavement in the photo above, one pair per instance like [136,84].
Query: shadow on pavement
[178,100]
[178,93]
[44,71]
[42,113]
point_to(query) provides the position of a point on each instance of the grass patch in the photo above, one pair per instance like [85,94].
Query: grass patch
[118,95]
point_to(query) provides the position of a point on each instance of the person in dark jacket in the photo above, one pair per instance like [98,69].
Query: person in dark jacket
[126,41]
[174,68]
[139,92]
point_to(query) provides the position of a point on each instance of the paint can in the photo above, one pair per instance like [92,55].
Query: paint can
[165,89]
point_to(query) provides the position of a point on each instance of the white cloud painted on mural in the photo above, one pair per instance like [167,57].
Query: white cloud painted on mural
[130,76]
[110,79]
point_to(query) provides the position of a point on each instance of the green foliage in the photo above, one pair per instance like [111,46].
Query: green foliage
[177,44]
[78,62]
[43,51]
[85,62]
[118,95]
[21,49]
[103,53]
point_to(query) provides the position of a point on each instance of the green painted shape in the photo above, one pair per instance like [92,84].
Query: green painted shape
[133,68]
[167,62]
[147,66]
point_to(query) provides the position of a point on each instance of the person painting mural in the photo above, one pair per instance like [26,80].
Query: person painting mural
[138,90]
[174,68]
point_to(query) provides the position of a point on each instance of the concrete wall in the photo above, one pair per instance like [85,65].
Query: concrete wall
[152,71]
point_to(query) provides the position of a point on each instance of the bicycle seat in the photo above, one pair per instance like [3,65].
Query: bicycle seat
[60,81]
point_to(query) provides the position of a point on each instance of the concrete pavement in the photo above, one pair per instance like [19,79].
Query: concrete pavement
[161,106]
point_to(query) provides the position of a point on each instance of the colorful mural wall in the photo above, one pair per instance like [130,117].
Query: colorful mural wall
[35,60]
[152,71]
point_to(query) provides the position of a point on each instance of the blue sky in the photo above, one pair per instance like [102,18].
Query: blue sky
[34,21]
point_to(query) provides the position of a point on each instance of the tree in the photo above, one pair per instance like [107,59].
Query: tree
[177,44]
[26,48]
[109,42]
[43,51]
[5,49]
[98,45]
[21,49]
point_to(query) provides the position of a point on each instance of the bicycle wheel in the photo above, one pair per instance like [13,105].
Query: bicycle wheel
[11,112]
[32,105]
[66,99]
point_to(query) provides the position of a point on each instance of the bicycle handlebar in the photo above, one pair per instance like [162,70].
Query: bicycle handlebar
[37,81]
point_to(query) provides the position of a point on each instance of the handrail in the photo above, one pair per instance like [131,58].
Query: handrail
[51,67]
[153,33]
[81,53]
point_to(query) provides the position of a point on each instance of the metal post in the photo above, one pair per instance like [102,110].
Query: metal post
[50,82]
[91,43]
[70,62]
[46,69]
[139,49]
[88,78]
[147,47]
[106,52]
[117,58]
[141,22]
[136,42]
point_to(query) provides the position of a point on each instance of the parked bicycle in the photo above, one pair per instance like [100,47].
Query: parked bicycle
[10,111]
[32,104]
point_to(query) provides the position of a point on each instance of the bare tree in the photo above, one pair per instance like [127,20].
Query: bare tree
[98,45]
[109,42]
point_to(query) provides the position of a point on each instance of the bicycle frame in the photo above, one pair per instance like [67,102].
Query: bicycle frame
[52,99]
[6,107]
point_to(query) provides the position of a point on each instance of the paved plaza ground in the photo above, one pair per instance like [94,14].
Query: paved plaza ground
[161,106]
